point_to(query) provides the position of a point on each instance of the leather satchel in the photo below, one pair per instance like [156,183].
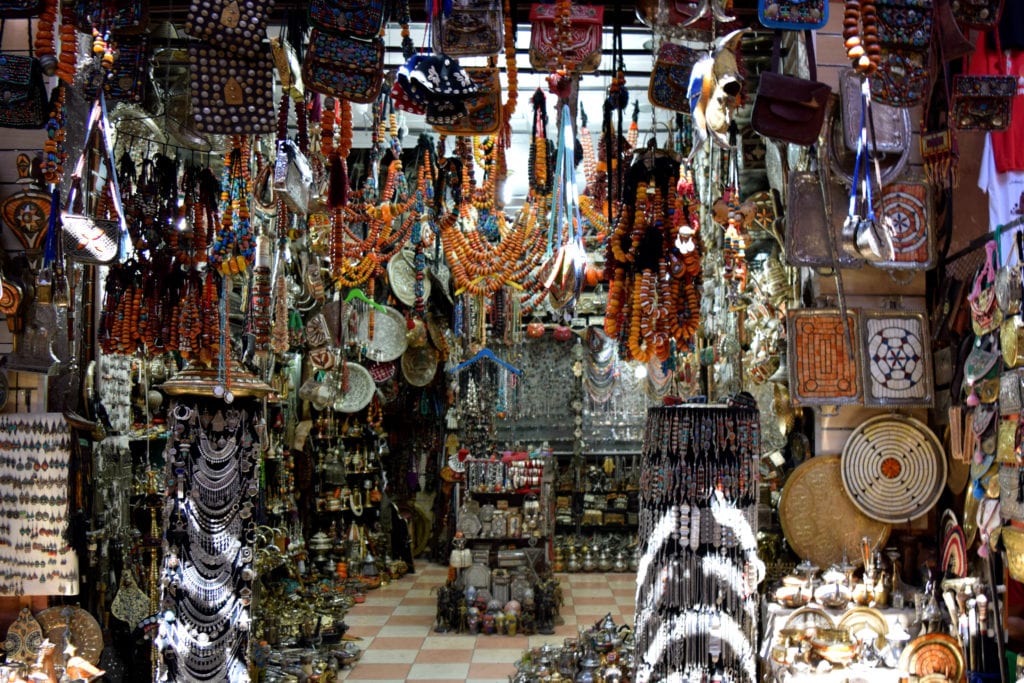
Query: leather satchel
[789,108]
[582,54]
[670,78]
[87,239]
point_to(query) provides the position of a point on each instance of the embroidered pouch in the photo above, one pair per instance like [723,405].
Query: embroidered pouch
[905,24]
[344,66]
[982,102]
[670,78]
[902,79]
[23,102]
[472,28]
[793,15]
[358,18]
[583,52]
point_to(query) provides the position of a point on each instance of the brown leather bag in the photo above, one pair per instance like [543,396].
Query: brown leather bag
[788,108]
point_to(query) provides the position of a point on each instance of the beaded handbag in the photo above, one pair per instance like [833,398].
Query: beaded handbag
[120,18]
[231,93]
[670,78]
[982,102]
[793,15]
[905,24]
[979,14]
[344,66]
[230,24]
[902,79]
[12,9]
[357,18]
[583,51]
[472,28]
[483,110]
[24,103]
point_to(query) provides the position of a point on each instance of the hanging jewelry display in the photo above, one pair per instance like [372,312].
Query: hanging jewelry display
[653,261]
[35,558]
[697,578]
[211,496]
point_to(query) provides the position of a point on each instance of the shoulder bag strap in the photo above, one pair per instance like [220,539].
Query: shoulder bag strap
[98,122]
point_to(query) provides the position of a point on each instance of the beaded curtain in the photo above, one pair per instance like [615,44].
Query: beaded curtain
[697,578]
[211,492]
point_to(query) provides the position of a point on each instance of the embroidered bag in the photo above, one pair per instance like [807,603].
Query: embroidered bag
[240,26]
[12,9]
[343,66]
[685,18]
[979,14]
[902,79]
[671,77]
[582,54]
[905,24]
[982,102]
[358,18]
[793,15]
[483,109]
[789,108]
[23,102]
[231,93]
[471,28]
[120,17]
[87,239]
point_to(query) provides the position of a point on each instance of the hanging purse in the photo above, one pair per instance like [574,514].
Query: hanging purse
[23,102]
[670,78]
[14,9]
[892,132]
[293,176]
[905,24]
[582,54]
[793,15]
[982,102]
[979,14]
[789,108]
[902,78]
[343,66]
[356,18]
[231,93]
[119,17]
[483,110]
[471,28]
[233,26]
[87,239]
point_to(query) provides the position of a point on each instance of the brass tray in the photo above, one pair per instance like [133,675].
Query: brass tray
[819,519]
[933,653]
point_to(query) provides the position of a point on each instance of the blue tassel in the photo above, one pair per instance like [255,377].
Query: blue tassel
[50,249]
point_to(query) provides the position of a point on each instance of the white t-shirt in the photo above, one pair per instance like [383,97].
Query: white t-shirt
[1005,198]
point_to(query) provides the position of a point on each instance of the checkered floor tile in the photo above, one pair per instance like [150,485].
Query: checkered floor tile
[395,626]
